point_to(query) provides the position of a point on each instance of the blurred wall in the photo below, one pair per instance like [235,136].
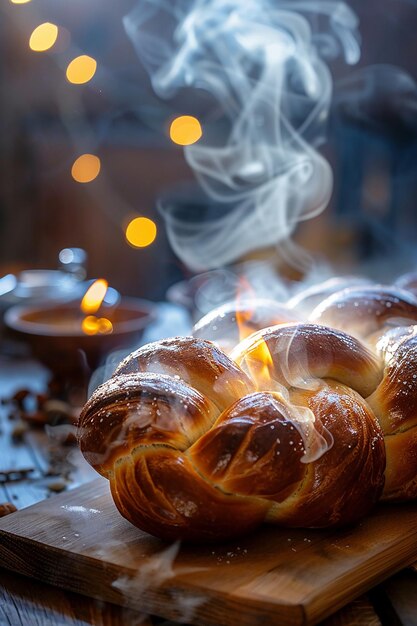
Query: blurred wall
[47,122]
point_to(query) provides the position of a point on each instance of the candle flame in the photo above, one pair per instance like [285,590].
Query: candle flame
[94,296]
[91,302]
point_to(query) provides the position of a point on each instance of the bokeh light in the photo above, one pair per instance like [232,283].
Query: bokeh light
[185,130]
[92,325]
[43,37]
[66,256]
[19,1]
[81,69]
[86,168]
[141,232]
[94,296]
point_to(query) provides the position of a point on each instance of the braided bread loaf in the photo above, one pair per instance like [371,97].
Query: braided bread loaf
[385,319]
[197,445]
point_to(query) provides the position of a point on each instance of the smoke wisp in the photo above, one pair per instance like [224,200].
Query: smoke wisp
[265,65]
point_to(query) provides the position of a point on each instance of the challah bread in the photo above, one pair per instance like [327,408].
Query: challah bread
[195,361]
[328,372]
[193,452]
[306,300]
[394,402]
[136,428]
[385,318]
[256,448]
[364,311]
[149,389]
[302,352]
[147,408]
[233,321]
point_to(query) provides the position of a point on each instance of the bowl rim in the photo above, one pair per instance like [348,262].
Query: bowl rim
[13,319]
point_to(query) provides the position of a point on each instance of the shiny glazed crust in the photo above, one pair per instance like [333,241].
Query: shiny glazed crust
[196,446]
[363,311]
[303,352]
[394,402]
[385,319]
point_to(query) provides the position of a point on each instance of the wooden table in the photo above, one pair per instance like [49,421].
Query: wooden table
[26,603]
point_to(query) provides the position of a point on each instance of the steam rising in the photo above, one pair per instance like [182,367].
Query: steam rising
[156,570]
[263,63]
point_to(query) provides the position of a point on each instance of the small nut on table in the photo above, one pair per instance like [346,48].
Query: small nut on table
[6,508]
[57,486]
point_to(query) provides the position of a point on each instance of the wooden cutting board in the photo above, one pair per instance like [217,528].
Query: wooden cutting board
[79,541]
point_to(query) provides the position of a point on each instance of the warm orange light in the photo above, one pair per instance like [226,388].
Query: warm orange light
[255,357]
[94,296]
[81,69]
[86,168]
[141,232]
[92,325]
[105,327]
[185,130]
[260,359]
[244,316]
[43,37]
[245,308]
[264,361]
[89,325]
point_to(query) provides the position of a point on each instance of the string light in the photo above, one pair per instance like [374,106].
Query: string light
[43,37]
[81,69]
[86,168]
[185,130]
[141,232]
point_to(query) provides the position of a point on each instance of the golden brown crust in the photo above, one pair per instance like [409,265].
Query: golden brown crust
[245,456]
[395,405]
[306,300]
[342,485]
[247,450]
[304,352]
[395,399]
[160,492]
[401,471]
[233,321]
[366,310]
[197,362]
[193,453]
[129,410]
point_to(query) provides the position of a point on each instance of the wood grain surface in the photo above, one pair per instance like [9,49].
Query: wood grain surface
[24,602]
[360,612]
[36,604]
[78,541]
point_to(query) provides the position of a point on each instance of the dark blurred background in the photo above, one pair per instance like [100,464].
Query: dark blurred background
[47,122]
